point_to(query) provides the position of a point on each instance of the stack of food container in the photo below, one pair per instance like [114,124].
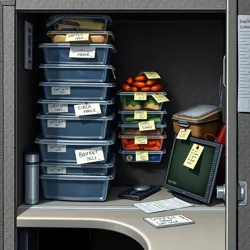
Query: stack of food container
[142,125]
[77,114]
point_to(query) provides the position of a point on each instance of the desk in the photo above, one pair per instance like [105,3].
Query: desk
[207,233]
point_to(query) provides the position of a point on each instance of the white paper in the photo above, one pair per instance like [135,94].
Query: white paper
[56,170]
[56,123]
[82,52]
[72,37]
[87,109]
[58,108]
[244,63]
[89,155]
[60,90]
[162,205]
[51,148]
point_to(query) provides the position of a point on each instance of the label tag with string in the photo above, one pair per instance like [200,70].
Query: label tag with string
[193,156]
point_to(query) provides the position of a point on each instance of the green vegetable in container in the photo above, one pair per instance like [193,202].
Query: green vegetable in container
[131,104]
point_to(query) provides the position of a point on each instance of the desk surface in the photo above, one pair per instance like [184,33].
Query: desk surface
[207,233]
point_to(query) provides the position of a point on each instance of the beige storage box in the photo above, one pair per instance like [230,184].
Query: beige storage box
[201,120]
[86,37]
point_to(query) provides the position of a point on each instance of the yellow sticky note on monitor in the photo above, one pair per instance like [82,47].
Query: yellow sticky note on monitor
[152,75]
[146,126]
[183,134]
[141,139]
[141,156]
[160,98]
[140,115]
[140,96]
[193,156]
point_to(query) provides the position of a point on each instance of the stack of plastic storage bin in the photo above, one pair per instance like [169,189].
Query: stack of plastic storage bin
[75,146]
[139,112]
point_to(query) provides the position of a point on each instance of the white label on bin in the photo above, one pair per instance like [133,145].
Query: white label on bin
[56,148]
[89,155]
[56,170]
[73,37]
[82,52]
[87,109]
[56,124]
[58,108]
[60,90]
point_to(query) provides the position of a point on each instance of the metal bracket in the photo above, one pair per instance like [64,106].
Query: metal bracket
[242,193]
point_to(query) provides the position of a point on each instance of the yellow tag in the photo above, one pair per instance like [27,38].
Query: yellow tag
[141,139]
[74,37]
[141,156]
[193,156]
[152,75]
[183,134]
[140,96]
[113,72]
[160,98]
[147,125]
[140,115]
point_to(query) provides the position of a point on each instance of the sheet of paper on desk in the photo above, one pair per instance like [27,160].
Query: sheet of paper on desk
[162,205]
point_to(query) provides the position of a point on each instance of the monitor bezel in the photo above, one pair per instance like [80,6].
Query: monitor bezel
[211,184]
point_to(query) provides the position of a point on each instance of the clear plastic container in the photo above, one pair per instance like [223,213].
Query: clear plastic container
[128,102]
[66,107]
[153,156]
[133,129]
[71,22]
[69,53]
[78,73]
[74,90]
[74,169]
[74,127]
[55,150]
[102,37]
[128,116]
[154,142]
[76,187]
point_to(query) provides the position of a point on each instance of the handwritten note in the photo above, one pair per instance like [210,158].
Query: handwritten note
[160,98]
[56,170]
[141,139]
[147,125]
[57,108]
[89,155]
[183,134]
[140,96]
[82,52]
[87,109]
[56,123]
[54,148]
[193,156]
[141,156]
[152,75]
[74,37]
[140,115]
[60,90]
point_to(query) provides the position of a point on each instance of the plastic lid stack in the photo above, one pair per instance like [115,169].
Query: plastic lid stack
[77,110]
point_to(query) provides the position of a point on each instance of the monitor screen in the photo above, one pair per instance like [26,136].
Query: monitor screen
[197,183]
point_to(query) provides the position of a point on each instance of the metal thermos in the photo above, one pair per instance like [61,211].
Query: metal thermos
[32,177]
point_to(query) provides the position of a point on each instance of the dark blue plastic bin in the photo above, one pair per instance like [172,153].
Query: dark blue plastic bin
[73,127]
[67,106]
[76,187]
[55,150]
[70,90]
[74,169]
[60,53]
[78,73]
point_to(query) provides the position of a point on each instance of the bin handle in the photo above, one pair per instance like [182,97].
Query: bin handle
[183,124]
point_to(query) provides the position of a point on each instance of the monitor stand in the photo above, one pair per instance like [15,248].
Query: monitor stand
[184,198]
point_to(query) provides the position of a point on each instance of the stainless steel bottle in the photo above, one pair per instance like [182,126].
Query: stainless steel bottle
[32,177]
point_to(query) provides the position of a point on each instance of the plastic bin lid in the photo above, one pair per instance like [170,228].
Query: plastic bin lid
[148,93]
[72,117]
[68,45]
[160,152]
[135,125]
[55,18]
[77,84]
[75,66]
[109,164]
[110,140]
[150,112]
[162,136]
[101,102]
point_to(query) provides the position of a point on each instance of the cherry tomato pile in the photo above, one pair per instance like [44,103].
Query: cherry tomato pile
[141,83]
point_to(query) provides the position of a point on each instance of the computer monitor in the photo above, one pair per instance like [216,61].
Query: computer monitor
[193,185]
